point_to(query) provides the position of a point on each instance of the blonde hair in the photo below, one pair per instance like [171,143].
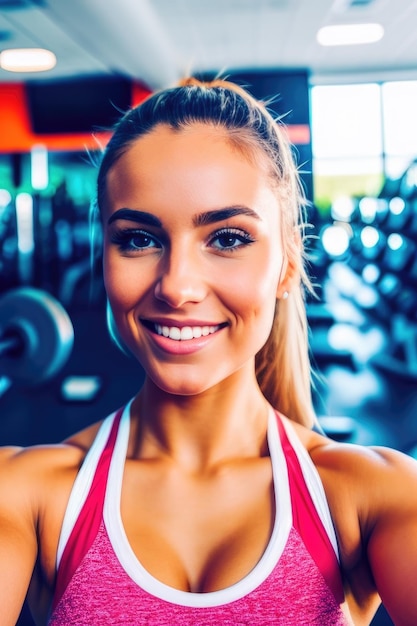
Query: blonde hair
[282,366]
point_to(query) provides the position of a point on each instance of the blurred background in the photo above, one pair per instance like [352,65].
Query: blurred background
[343,76]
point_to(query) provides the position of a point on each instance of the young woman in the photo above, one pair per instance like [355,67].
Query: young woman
[209,498]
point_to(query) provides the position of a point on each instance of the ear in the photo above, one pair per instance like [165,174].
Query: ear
[290,271]
[290,276]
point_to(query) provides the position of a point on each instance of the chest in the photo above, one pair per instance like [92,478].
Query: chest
[102,592]
[198,533]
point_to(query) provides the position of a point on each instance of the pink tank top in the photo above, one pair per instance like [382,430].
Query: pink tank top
[297,581]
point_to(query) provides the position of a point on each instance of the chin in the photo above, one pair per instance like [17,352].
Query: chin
[183,387]
[184,390]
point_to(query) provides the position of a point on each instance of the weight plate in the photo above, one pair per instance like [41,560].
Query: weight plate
[45,331]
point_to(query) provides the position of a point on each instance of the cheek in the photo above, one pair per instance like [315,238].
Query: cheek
[266,272]
[121,285]
[252,293]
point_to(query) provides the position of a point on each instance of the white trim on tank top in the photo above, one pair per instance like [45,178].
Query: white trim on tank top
[82,483]
[149,583]
[120,543]
[314,484]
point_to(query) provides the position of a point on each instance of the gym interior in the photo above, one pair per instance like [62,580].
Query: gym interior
[350,114]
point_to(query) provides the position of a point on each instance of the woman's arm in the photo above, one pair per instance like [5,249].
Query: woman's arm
[392,533]
[18,537]
[372,494]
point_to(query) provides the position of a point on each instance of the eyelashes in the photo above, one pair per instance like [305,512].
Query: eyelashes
[135,240]
[230,239]
[141,241]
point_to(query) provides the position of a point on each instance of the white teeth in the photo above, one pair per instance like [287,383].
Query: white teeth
[175,333]
[186,332]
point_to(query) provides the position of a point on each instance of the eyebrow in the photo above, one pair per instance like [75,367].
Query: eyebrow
[202,219]
[219,215]
[134,215]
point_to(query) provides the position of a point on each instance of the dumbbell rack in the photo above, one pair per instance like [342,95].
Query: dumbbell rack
[394,286]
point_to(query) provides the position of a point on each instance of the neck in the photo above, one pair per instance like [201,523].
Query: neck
[225,422]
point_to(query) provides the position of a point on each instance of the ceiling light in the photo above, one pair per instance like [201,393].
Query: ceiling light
[349,34]
[27,60]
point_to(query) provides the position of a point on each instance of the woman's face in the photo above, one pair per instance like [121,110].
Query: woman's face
[192,256]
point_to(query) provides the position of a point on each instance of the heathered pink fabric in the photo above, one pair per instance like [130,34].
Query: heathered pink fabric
[304,588]
[101,593]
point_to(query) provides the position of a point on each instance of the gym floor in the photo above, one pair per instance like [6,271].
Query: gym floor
[357,403]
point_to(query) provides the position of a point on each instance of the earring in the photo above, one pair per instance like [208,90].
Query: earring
[285,295]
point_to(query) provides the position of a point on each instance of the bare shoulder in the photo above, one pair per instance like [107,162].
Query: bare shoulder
[35,484]
[375,478]
[372,495]
[356,461]
[26,474]
[374,484]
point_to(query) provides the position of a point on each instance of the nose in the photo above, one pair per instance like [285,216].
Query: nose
[181,279]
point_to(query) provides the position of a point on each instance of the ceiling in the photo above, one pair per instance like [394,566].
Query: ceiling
[158,41]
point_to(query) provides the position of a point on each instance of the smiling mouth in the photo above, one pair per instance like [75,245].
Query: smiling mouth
[185,333]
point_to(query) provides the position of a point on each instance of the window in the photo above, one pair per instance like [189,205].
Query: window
[399,125]
[347,141]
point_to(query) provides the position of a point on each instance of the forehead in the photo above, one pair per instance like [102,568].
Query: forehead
[201,135]
[178,175]
[175,174]
[188,150]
